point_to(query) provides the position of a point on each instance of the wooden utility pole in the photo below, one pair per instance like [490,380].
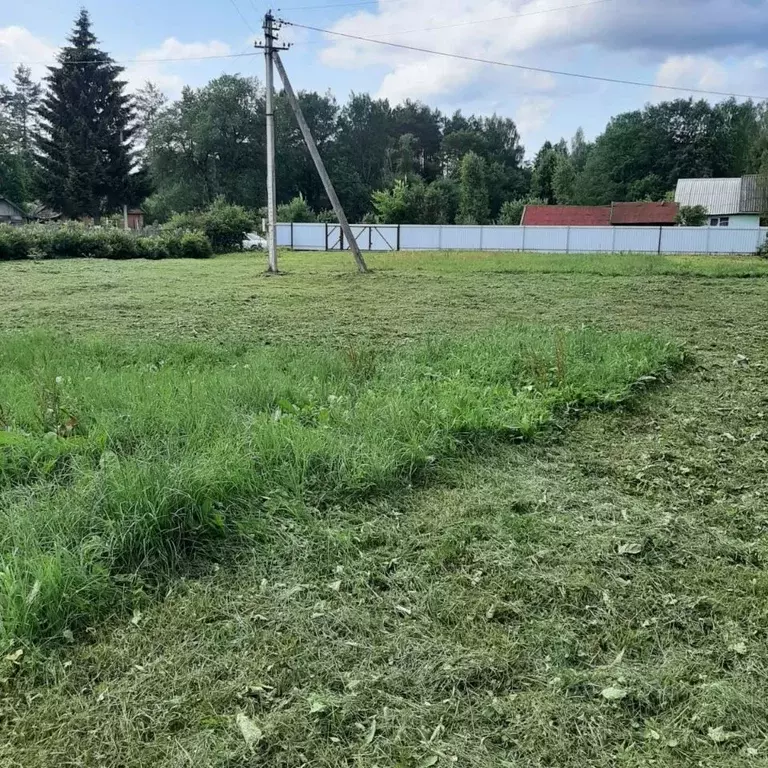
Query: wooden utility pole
[272,56]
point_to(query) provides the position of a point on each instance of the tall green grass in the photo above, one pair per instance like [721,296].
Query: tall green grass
[116,458]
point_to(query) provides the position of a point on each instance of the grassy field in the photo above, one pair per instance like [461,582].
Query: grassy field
[595,596]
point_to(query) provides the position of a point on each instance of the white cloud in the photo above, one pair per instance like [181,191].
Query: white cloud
[691,71]
[19,46]
[697,43]
[746,75]
[171,76]
[533,114]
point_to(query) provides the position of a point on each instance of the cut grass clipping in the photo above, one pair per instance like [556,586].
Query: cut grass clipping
[115,459]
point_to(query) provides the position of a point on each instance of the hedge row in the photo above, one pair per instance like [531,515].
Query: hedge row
[75,241]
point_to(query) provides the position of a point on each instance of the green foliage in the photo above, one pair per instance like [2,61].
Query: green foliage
[326,217]
[13,243]
[297,211]
[86,136]
[403,204]
[474,206]
[692,216]
[564,181]
[543,178]
[77,241]
[512,211]
[126,474]
[650,188]
[225,225]
[441,202]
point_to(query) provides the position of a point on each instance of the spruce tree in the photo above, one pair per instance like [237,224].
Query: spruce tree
[86,135]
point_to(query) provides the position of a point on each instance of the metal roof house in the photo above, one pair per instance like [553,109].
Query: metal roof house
[734,202]
[10,213]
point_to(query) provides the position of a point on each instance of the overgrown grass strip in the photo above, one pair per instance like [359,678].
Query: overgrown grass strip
[115,458]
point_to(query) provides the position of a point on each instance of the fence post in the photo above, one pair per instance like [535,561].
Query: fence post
[482,229]
[326,235]
[341,239]
[613,239]
[709,232]
[567,239]
[522,245]
[439,237]
[658,250]
[398,238]
[291,235]
[370,238]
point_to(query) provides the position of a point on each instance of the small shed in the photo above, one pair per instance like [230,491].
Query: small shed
[135,218]
[10,213]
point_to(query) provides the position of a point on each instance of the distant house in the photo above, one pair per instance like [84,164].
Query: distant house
[10,213]
[616,214]
[735,202]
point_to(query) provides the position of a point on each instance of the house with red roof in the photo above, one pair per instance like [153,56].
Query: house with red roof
[616,215]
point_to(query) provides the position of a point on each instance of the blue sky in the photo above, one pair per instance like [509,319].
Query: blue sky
[711,44]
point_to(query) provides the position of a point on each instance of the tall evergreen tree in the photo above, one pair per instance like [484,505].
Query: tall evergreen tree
[86,137]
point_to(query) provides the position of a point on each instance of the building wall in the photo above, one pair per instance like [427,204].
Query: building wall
[740,221]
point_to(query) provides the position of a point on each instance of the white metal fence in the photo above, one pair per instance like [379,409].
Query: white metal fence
[418,237]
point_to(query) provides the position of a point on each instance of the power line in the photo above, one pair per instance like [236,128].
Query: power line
[540,70]
[242,16]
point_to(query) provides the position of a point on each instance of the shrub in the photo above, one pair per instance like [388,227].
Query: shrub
[324,217]
[76,241]
[691,216]
[224,225]
[13,243]
[761,253]
[194,245]
[297,210]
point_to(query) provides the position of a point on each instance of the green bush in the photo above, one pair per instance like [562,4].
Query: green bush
[297,211]
[193,245]
[761,253]
[224,225]
[13,243]
[77,241]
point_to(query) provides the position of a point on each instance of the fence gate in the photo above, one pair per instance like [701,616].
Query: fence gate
[368,237]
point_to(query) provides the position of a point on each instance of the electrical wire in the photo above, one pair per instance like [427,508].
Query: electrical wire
[242,16]
[540,70]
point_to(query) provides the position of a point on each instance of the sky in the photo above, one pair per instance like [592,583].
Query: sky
[715,45]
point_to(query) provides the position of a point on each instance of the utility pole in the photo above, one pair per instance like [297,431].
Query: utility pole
[270,38]
[319,165]
[273,57]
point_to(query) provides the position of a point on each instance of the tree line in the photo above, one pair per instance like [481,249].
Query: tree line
[78,143]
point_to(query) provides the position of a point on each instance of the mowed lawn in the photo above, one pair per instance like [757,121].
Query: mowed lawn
[596,595]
